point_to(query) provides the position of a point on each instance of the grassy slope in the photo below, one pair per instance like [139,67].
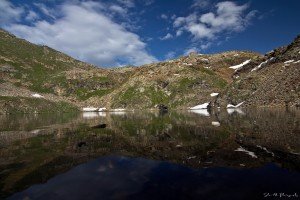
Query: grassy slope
[15,105]
[44,70]
[178,83]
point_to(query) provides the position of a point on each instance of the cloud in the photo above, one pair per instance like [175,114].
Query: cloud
[167,37]
[201,3]
[86,33]
[32,16]
[170,55]
[9,13]
[164,16]
[179,33]
[46,10]
[118,9]
[206,45]
[127,3]
[191,50]
[227,18]
[148,2]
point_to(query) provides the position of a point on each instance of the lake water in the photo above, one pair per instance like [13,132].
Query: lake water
[230,154]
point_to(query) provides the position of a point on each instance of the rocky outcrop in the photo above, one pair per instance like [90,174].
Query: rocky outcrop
[272,80]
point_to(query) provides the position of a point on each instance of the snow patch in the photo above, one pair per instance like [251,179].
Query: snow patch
[289,61]
[36,95]
[214,94]
[250,153]
[236,67]
[191,157]
[233,106]
[262,64]
[266,150]
[201,106]
[90,109]
[297,62]
[101,109]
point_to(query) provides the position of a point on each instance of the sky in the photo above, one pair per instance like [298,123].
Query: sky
[135,32]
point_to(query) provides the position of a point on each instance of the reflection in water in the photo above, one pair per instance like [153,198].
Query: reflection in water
[90,115]
[232,110]
[215,123]
[202,112]
[128,178]
[35,149]
[118,113]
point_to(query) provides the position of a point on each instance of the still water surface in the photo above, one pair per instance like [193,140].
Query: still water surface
[249,154]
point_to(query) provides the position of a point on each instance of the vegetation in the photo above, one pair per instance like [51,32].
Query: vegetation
[179,83]
[15,105]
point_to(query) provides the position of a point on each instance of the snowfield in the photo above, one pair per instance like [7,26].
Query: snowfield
[37,95]
[201,106]
[262,64]
[236,67]
[250,153]
[214,94]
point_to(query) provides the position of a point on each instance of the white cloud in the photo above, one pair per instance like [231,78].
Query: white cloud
[118,9]
[85,33]
[127,3]
[170,55]
[164,16]
[32,16]
[228,17]
[148,2]
[206,45]
[179,21]
[167,37]
[45,10]
[179,33]
[201,3]
[191,50]
[9,12]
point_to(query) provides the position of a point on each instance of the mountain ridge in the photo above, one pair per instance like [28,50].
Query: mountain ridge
[180,83]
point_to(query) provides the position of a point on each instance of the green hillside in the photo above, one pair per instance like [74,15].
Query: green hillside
[26,69]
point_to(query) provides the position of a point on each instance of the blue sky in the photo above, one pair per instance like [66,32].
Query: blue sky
[135,32]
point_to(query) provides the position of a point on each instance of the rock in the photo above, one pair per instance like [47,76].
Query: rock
[81,144]
[100,126]
[7,68]
[161,107]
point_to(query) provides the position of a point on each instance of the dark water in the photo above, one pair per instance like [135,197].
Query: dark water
[250,154]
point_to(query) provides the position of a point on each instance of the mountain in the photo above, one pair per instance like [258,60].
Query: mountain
[272,80]
[259,80]
[26,69]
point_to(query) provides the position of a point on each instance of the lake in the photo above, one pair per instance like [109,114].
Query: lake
[227,154]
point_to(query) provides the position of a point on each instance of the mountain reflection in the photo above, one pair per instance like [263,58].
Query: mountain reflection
[36,148]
